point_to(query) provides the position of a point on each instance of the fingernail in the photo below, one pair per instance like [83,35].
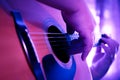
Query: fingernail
[105,35]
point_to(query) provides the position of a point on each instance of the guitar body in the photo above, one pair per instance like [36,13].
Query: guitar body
[13,62]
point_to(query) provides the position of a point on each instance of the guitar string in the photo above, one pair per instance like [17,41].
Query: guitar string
[64,39]
[68,38]
[44,33]
[40,33]
[60,35]
[64,36]
[53,39]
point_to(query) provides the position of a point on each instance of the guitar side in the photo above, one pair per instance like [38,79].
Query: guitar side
[12,61]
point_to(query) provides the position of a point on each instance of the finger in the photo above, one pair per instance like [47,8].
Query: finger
[86,50]
[110,42]
[117,48]
[99,42]
[109,53]
[105,47]
[106,41]
[105,36]
[85,53]
[98,49]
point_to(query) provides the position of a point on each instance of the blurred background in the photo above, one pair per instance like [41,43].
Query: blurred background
[107,16]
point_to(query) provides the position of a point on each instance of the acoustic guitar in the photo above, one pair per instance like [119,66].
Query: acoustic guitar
[29,53]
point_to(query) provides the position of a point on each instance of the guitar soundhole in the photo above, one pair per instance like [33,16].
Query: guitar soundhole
[59,43]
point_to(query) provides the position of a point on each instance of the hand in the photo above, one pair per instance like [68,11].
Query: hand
[83,23]
[110,47]
[102,61]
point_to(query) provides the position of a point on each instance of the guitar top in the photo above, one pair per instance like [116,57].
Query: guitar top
[50,53]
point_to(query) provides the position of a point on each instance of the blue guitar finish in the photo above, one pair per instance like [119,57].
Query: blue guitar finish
[54,71]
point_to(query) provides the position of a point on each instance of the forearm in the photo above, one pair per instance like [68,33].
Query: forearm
[75,13]
[69,6]
[99,69]
[31,11]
